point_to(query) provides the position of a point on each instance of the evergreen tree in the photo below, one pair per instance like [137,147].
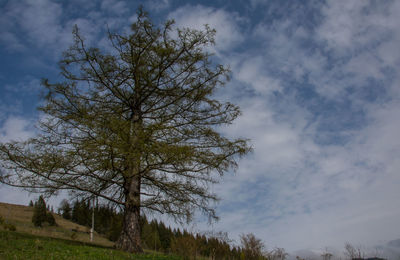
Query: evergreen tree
[65,209]
[81,213]
[165,236]
[115,228]
[76,211]
[150,236]
[50,219]
[40,214]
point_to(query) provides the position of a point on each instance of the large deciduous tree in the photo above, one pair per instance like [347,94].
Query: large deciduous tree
[134,124]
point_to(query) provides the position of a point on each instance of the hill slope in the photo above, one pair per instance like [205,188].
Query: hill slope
[65,241]
[21,217]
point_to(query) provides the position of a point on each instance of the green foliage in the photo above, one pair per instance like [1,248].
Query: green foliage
[156,236]
[81,213]
[50,219]
[142,118]
[150,236]
[146,107]
[65,209]
[40,214]
[165,236]
[115,229]
[107,221]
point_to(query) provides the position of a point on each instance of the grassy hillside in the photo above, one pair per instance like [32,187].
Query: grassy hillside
[21,217]
[65,241]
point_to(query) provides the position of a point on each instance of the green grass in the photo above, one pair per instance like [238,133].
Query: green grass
[21,217]
[16,245]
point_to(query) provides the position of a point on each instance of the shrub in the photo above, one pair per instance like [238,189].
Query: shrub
[9,226]
[74,235]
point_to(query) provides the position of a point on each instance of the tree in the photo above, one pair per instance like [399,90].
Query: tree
[81,213]
[150,236]
[252,246]
[165,236]
[50,219]
[40,214]
[65,209]
[353,252]
[136,126]
[278,253]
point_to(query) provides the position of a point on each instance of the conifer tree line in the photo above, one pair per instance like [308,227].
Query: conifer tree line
[155,235]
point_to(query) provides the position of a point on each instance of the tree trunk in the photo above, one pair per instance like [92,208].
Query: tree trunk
[129,239]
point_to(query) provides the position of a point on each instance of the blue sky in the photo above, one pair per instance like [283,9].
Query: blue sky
[319,86]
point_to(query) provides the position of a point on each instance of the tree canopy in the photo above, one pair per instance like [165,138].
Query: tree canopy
[134,124]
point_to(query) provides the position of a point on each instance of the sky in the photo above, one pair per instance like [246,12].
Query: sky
[318,84]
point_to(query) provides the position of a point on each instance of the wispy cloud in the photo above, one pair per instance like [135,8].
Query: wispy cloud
[323,126]
[39,21]
[158,5]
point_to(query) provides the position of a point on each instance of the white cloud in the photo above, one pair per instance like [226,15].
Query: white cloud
[341,25]
[40,20]
[349,25]
[362,33]
[293,187]
[16,129]
[252,71]
[47,25]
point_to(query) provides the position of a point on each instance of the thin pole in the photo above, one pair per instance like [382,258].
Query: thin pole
[92,229]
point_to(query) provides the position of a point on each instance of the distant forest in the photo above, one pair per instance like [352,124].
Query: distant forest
[155,234]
